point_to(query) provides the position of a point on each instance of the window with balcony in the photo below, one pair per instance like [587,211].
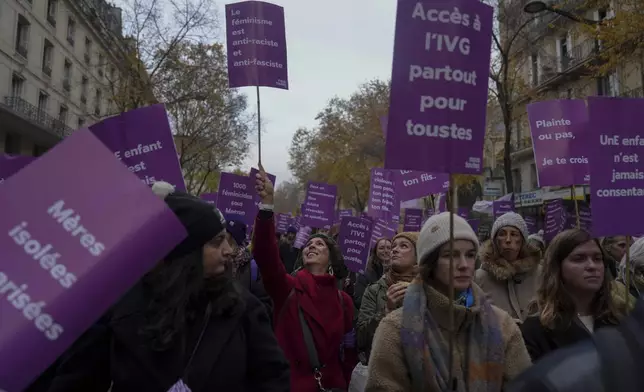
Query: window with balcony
[52,9]
[97,102]
[84,88]
[43,102]
[564,52]
[17,86]
[609,85]
[12,143]
[71,30]
[81,122]
[67,75]
[47,57]
[534,69]
[62,114]
[101,64]
[22,36]
[88,51]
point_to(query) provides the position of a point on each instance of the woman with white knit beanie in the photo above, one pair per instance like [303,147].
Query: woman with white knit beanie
[410,348]
[510,266]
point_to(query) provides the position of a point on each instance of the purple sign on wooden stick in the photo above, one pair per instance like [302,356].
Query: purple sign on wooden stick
[77,237]
[318,209]
[256,43]
[354,241]
[439,89]
[236,198]
[383,201]
[142,140]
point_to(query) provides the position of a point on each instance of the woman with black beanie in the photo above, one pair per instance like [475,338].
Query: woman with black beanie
[186,326]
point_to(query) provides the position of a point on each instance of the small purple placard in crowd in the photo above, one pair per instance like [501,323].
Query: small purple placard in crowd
[354,241]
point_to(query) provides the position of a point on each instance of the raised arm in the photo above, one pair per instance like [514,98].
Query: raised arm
[277,282]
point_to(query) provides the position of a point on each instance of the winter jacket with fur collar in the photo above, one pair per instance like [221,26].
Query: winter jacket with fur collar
[510,286]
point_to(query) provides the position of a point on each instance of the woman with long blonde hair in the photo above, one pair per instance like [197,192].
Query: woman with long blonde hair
[575,295]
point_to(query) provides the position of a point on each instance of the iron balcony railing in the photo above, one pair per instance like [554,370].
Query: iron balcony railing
[39,116]
[553,66]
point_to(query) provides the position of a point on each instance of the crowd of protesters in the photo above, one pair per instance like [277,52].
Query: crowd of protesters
[429,313]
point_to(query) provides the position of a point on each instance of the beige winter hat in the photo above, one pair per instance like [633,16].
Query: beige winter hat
[435,233]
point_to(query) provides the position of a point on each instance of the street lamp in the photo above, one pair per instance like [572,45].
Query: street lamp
[538,6]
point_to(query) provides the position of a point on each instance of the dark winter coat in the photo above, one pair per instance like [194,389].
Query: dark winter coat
[256,287]
[370,276]
[330,319]
[289,255]
[540,340]
[237,352]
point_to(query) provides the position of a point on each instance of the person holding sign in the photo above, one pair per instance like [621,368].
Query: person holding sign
[509,266]
[186,326]
[313,318]
[410,349]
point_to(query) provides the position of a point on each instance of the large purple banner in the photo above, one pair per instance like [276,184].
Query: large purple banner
[318,209]
[256,45]
[616,167]
[439,86]
[236,198]
[77,237]
[11,164]
[142,140]
[412,184]
[559,131]
[383,201]
[354,241]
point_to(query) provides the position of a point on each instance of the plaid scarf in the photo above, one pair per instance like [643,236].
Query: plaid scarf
[427,352]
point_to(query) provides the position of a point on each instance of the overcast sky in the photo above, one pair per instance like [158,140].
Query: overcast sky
[333,46]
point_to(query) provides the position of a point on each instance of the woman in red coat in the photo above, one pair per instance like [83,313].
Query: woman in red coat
[328,312]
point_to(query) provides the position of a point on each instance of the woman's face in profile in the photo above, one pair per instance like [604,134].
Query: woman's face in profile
[216,254]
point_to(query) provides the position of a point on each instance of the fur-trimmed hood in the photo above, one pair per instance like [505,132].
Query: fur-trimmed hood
[501,269]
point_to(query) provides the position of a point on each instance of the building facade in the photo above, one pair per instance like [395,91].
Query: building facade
[560,63]
[58,62]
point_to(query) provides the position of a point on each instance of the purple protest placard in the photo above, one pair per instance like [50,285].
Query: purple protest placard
[474,224]
[282,222]
[77,237]
[383,201]
[463,212]
[413,219]
[616,167]
[500,207]
[531,222]
[555,219]
[560,143]
[411,184]
[439,88]
[354,241]
[12,164]
[210,197]
[381,229]
[302,236]
[236,198]
[345,212]
[142,140]
[256,45]
[318,209]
